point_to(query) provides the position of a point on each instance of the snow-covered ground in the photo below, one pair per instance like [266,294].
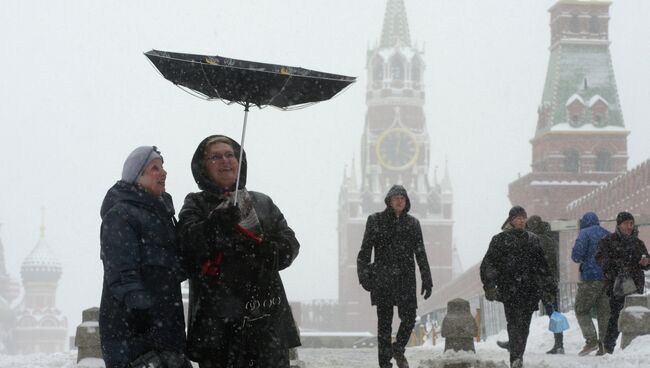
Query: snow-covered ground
[637,355]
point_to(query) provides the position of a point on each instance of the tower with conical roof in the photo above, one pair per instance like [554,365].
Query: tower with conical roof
[395,149]
[580,141]
[41,327]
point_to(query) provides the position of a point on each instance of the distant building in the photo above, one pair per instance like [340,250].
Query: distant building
[34,324]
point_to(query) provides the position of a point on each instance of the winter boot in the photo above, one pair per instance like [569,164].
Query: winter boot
[400,359]
[504,345]
[558,347]
[588,348]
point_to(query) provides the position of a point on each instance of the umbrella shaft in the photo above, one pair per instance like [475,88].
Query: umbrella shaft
[241,151]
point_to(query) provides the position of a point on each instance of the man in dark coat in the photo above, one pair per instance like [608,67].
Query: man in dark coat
[514,271]
[396,238]
[621,253]
[591,289]
[141,313]
[239,315]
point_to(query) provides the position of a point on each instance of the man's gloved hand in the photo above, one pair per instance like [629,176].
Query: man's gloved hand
[492,294]
[150,359]
[427,285]
[224,217]
[138,299]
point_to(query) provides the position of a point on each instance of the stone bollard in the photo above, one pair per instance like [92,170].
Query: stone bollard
[87,340]
[634,319]
[459,326]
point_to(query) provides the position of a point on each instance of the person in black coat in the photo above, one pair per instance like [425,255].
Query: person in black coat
[239,315]
[396,238]
[621,253]
[514,271]
[141,313]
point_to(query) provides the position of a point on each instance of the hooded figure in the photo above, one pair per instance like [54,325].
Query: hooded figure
[239,315]
[396,238]
[141,313]
[591,291]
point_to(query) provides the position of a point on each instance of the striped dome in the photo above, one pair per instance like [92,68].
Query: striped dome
[41,261]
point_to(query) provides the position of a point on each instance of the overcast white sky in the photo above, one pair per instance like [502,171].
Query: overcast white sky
[77,96]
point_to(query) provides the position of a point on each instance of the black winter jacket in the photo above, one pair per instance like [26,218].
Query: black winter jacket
[141,307]
[617,253]
[515,265]
[218,301]
[396,241]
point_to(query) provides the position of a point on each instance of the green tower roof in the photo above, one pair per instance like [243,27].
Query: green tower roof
[580,72]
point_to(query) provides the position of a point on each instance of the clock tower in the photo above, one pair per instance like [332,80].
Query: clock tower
[395,149]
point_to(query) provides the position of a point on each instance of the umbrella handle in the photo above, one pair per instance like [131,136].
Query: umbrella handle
[241,150]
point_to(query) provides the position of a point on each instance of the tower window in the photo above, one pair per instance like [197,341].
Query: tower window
[377,70]
[571,161]
[594,26]
[397,68]
[603,161]
[574,26]
[416,73]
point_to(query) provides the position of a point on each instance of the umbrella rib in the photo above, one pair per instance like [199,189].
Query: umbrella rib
[280,92]
[205,76]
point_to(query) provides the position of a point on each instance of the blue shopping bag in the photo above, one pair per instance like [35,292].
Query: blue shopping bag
[558,322]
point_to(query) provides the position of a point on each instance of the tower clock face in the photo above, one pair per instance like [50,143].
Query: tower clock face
[397,149]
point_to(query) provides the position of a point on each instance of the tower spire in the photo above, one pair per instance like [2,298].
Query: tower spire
[42,222]
[395,31]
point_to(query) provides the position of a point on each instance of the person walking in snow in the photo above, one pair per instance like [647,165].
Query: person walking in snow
[542,229]
[514,271]
[141,313]
[396,238]
[239,315]
[591,288]
[621,253]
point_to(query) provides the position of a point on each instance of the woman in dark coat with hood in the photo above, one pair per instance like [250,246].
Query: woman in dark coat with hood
[239,315]
[141,314]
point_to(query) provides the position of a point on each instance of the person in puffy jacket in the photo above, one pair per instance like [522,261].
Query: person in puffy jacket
[591,289]
[141,312]
[239,315]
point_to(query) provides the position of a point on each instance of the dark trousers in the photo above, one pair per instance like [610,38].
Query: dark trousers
[518,320]
[615,306]
[384,331]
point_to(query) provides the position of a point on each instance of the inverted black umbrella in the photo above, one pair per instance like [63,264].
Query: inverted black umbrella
[247,82]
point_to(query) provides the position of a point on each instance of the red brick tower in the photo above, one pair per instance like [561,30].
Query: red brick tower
[580,142]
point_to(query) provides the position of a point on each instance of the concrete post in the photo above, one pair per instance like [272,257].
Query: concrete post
[634,319]
[459,326]
[87,340]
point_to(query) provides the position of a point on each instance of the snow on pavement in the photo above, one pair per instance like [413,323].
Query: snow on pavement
[635,356]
